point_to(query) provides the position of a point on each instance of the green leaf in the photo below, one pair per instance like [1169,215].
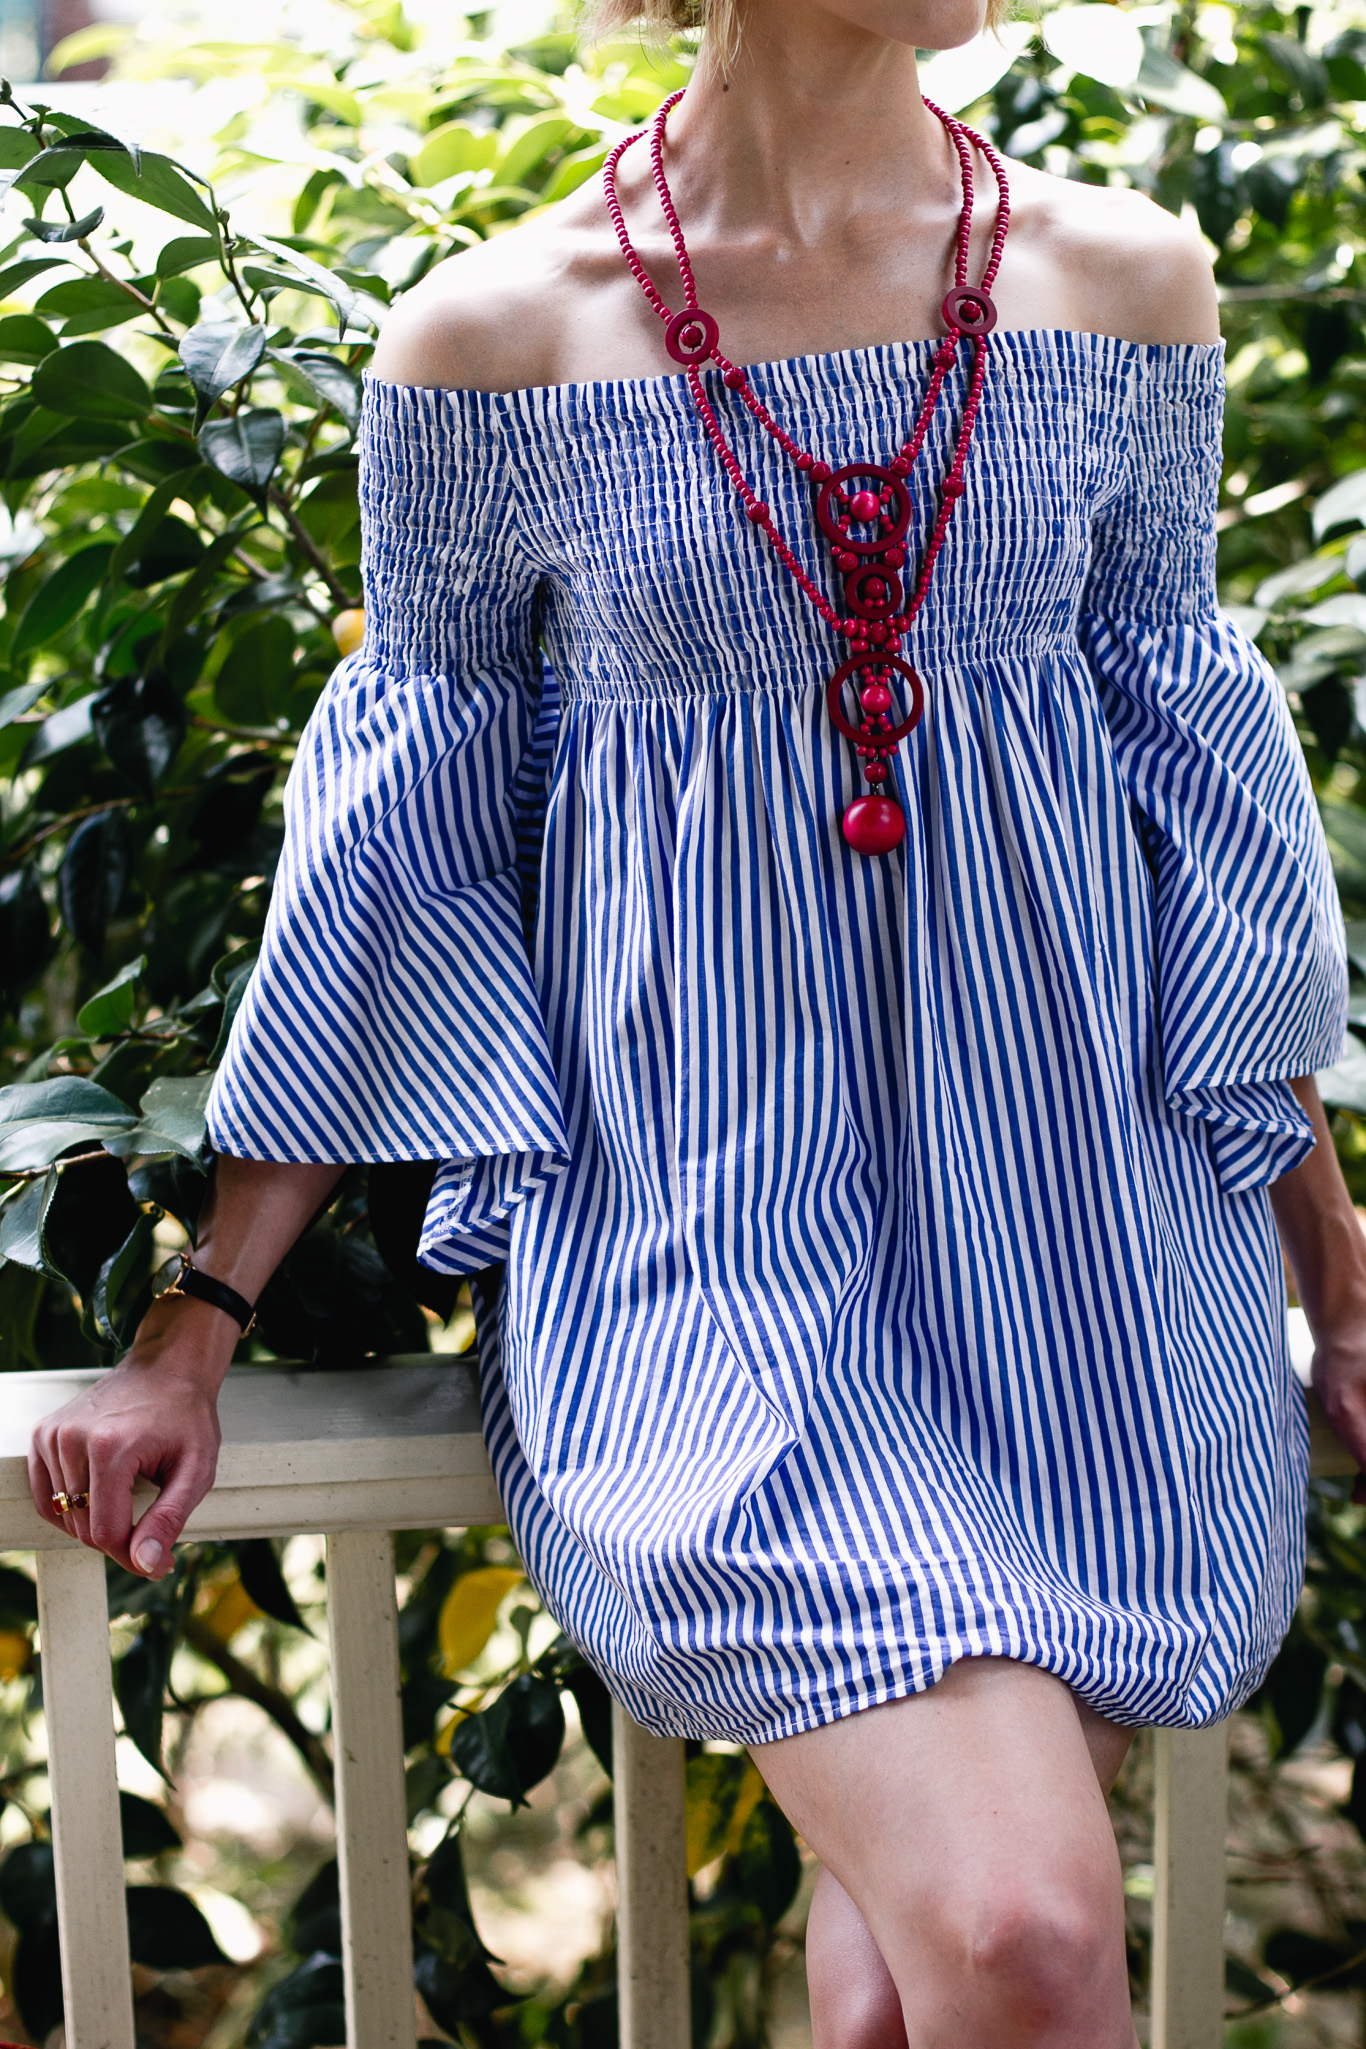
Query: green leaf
[768,1865]
[330,381]
[457,1993]
[126,1270]
[1343,505]
[153,511]
[25,932]
[28,1888]
[1294,1689]
[167,1931]
[140,722]
[94,876]
[450,150]
[256,672]
[25,339]
[60,730]
[246,448]
[62,598]
[42,1141]
[314,1921]
[217,356]
[172,1120]
[148,1830]
[1171,85]
[22,1220]
[259,1568]
[67,1096]
[17,147]
[18,1598]
[110,1009]
[306,2008]
[88,300]
[186,252]
[66,231]
[87,380]
[141,1675]
[338,295]
[19,700]
[159,183]
[17,275]
[511,1746]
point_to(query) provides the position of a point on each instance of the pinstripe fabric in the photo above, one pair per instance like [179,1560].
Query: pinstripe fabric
[889,1270]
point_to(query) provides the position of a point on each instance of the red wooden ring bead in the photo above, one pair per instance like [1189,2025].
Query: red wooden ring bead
[691,336]
[899,512]
[882,663]
[856,592]
[968,310]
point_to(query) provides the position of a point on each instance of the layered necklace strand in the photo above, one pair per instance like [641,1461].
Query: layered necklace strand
[863,509]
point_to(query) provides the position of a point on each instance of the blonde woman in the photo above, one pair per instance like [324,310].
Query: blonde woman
[801,849]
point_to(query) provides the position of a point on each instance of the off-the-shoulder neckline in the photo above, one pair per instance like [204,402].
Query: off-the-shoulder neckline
[666,380]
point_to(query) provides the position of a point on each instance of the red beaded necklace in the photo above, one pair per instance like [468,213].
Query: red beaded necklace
[864,508]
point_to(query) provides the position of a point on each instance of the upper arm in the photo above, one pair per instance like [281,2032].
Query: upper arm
[477,322]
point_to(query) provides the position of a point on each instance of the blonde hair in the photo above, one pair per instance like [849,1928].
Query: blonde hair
[720,19]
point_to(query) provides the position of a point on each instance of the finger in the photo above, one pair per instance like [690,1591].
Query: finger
[43,1486]
[110,1516]
[183,1486]
[73,1453]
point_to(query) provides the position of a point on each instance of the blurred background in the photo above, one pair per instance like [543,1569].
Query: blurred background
[204,215]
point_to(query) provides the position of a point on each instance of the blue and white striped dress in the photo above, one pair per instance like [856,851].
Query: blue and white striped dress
[890,1274]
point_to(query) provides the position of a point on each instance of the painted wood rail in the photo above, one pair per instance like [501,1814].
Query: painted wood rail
[355,1456]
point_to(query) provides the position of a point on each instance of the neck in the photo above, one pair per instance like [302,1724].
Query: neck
[819,121]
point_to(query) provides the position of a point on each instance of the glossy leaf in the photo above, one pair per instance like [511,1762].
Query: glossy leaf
[36,1982]
[22,1220]
[768,1867]
[24,338]
[66,231]
[217,356]
[167,1931]
[28,1888]
[172,1119]
[256,671]
[245,448]
[259,1566]
[141,1678]
[314,1922]
[186,252]
[148,1830]
[94,876]
[509,1747]
[25,932]
[140,722]
[61,598]
[156,182]
[88,380]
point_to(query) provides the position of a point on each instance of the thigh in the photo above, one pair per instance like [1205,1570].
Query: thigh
[976,1806]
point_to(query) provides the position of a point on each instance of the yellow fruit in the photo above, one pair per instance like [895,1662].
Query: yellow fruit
[230,1610]
[15,1651]
[469,1613]
[348,630]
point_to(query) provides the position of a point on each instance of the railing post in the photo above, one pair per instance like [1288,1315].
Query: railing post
[372,1832]
[652,1887]
[1190,1832]
[87,1839]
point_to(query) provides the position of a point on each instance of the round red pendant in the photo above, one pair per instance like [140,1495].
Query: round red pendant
[874,825]
[897,515]
[691,336]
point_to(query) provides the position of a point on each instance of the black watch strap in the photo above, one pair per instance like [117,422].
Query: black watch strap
[204,1288]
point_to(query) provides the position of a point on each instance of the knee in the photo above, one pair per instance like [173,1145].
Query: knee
[1043,1958]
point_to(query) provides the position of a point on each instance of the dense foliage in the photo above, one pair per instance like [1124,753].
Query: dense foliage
[179,389]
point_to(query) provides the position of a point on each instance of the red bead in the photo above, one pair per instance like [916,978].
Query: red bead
[865,505]
[875,697]
[953,487]
[806,462]
[821,472]
[734,380]
[874,825]
[895,558]
[876,772]
[845,561]
[758,512]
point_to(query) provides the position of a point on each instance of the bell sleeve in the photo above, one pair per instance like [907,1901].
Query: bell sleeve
[393,1014]
[1250,953]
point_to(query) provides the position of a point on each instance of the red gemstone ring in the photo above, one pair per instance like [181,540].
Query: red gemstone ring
[860,596]
[967,309]
[899,511]
[850,668]
[691,336]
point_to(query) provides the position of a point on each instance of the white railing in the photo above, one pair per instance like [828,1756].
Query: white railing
[355,1456]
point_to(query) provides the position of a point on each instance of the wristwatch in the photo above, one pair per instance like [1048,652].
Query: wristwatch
[191,1280]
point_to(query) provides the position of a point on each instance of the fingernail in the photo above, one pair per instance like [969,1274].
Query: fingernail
[147,1557]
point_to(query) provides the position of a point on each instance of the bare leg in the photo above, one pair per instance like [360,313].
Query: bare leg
[966,1842]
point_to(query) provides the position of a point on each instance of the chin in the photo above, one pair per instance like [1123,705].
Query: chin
[924,24]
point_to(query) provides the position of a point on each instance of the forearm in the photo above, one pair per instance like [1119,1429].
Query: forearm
[1320,1231]
[254,1212]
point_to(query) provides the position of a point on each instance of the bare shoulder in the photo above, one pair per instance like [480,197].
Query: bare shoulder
[491,317]
[1128,268]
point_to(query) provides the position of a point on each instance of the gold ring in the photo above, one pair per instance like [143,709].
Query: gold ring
[64,1502]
